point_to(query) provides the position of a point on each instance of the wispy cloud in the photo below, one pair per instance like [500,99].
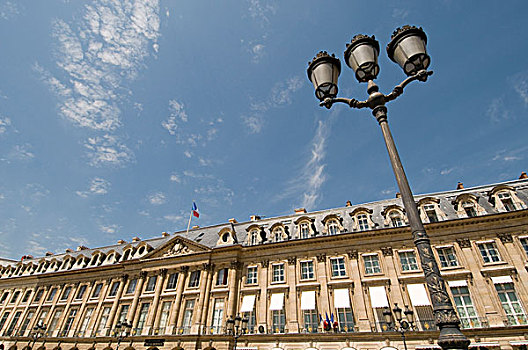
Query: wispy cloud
[108,150]
[21,152]
[175,178]
[254,123]
[497,111]
[110,229]
[98,186]
[5,123]
[261,10]
[8,10]
[521,87]
[173,218]
[98,57]
[157,198]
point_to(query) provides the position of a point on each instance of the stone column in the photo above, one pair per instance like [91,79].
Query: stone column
[290,302]
[262,297]
[39,307]
[115,304]
[51,313]
[67,308]
[152,319]
[180,285]
[395,295]
[197,316]
[233,288]
[80,315]
[99,307]
[479,283]
[359,305]
[323,303]
[207,299]
[131,316]
[517,258]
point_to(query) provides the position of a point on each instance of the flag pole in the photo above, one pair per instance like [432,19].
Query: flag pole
[189,224]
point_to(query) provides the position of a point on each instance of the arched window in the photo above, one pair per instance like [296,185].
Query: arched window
[430,210]
[253,237]
[362,220]
[395,218]
[504,198]
[506,201]
[277,234]
[304,229]
[332,227]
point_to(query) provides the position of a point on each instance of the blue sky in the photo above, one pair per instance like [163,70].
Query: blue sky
[115,115]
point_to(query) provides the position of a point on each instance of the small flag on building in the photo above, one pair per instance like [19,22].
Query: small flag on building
[195,210]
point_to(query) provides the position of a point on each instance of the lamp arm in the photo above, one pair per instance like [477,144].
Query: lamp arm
[398,89]
[351,102]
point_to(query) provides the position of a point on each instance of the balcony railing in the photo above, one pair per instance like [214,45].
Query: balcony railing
[515,320]
[474,322]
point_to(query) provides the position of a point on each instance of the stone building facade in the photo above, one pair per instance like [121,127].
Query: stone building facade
[286,275]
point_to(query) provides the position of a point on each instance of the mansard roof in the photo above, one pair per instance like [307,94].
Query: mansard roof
[207,238]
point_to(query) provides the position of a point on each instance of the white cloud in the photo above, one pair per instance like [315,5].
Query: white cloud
[157,198]
[98,186]
[257,52]
[497,111]
[400,13]
[173,218]
[446,171]
[107,150]
[521,86]
[5,123]
[313,172]
[110,229]
[98,57]
[21,152]
[260,10]
[8,10]
[175,178]
[254,123]
[187,154]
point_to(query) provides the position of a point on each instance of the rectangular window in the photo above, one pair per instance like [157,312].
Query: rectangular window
[66,293]
[371,264]
[173,280]
[69,322]
[362,221]
[277,273]
[80,293]
[86,320]
[39,295]
[123,313]
[55,321]
[25,324]
[408,261]
[511,304]
[278,320]
[252,321]
[187,316]
[42,317]
[14,297]
[307,270]
[97,290]
[4,297]
[26,296]
[489,252]
[13,324]
[305,230]
[151,284]
[524,242]
[345,319]
[251,277]
[464,305]
[311,321]
[194,280]
[113,289]
[102,321]
[51,294]
[338,267]
[218,315]
[131,288]
[142,317]
[4,319]
[221,277]
[447,257]
[430,212]
[164,317]
[507,202]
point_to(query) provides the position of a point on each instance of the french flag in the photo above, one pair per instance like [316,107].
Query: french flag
[195,210]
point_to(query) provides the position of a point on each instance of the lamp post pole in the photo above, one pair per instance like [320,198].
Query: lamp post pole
[408,49]
[236,327]
[38,332]
[405,324]
[121,331]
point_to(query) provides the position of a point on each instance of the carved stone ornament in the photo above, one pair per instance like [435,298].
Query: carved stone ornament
[446,317]
[505,237]
[184,269]
[236,265]
[178,248]
[464,242]
[321,257]
[207,266]
[387,251]
[264,263]
[292,260]
[353,254]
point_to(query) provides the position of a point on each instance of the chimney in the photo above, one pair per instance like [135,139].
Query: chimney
[348,203]
[233,221]
[121,241]
[68,250]
[136,239]
[195,226]
[460,186]
[254,218]
[398,195]
[49,253]
[81,247]
[523,175]
[300,211]
[164,234]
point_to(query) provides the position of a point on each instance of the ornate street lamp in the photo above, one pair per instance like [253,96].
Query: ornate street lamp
[236,327]
[121,331]
[39,330]
[405,324]
[407,48]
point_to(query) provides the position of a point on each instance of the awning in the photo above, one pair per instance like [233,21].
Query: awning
[341,299]
[308,300]
[461,283]
[378,297]
[418,294]
[518,342]
[501,279]
[483,344]
[13,347]
[427,347]
[248,303]
[277,301]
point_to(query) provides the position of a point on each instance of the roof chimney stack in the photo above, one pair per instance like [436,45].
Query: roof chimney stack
[195,226]
[49,253]
[164,234]
[348,203]
[136,239]
[233,221]
[460,186]
[523,175]
[121,241]
[254,218]
[300,211]
[398,195]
